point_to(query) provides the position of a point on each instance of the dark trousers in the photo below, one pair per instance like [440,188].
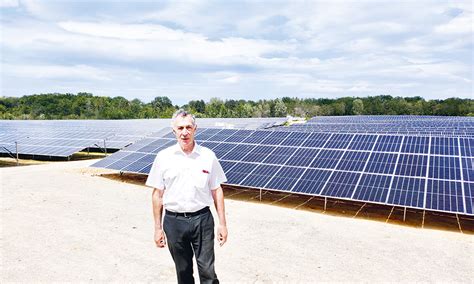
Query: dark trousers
[188,236]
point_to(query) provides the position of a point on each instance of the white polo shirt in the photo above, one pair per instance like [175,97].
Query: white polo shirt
[187,179]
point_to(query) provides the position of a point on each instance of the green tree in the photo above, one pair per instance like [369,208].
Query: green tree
[358,107]
[280,108]
[198,106]
[215,108]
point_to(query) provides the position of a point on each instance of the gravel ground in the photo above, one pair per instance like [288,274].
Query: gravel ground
[61,221]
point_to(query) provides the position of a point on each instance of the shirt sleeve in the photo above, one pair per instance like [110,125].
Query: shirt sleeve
[155,177]
[217,175]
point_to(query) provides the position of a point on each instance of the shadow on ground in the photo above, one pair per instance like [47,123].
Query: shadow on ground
[351,209]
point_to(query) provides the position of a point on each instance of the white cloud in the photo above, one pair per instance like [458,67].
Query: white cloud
[380,28]
[132,42]
[460,25]
[231,80]
[120,31]
[9,3]
[55,72]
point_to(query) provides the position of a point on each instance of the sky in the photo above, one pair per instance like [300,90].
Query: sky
[251,50]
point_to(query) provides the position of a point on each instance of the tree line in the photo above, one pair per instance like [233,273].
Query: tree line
[88,106]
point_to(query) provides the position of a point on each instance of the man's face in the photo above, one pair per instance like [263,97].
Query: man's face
[184,130]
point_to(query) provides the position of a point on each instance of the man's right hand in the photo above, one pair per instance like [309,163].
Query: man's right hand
[160,239]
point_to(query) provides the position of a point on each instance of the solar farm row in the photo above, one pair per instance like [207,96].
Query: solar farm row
[424,172]
[411,125]
[62,138]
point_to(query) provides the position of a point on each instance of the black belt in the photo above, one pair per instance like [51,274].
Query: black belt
[188,214]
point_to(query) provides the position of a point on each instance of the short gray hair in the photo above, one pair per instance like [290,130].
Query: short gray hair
[183,113]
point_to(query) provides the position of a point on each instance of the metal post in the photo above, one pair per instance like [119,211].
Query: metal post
[404,213]
[260,194]
[459,223]
[16,148]
[105,148]
[423,221]
[390,215]
[325,202]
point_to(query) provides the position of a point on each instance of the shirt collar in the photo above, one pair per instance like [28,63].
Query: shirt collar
[196,150]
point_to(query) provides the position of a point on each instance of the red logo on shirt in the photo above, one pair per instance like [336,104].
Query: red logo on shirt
[204,171]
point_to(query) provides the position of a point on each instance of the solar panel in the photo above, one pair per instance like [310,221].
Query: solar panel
[412,165]
[260,176]
[373,188]
[295,139]
[258,153]
[316,140]
[224,148]
[275,138]
[256,137]
[285,179]
[444,146]
[312,181]
[383,163]
[238,152]
[302,157]
[279,155]
[468,169]
[239,172]
[353,161]
[469,197]
[363,142]
[339,141]
[341,184]
[387,143]
[407,191]
[327,159]
[467,147]
[222,135]
[238,136]
[444,167]
[444,195]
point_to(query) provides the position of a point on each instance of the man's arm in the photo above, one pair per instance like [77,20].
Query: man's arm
[157,200]
[218,196]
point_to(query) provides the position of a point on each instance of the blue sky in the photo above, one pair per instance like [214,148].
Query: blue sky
[190,50]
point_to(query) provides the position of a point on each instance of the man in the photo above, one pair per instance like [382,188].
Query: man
[187,178]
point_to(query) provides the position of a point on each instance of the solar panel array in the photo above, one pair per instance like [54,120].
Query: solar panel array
[62,138]
[386,124]
[424,172]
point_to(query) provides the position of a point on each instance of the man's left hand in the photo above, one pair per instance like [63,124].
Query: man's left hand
[222,234]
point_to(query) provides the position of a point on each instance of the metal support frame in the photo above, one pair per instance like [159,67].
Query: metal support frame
[325,202]
[11,154]
[459,223]
[16,149]
[360,209]
[260,194]
[302,204]
[390,215]
[404,213]
[423,221]
[278,200]
[105,147]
